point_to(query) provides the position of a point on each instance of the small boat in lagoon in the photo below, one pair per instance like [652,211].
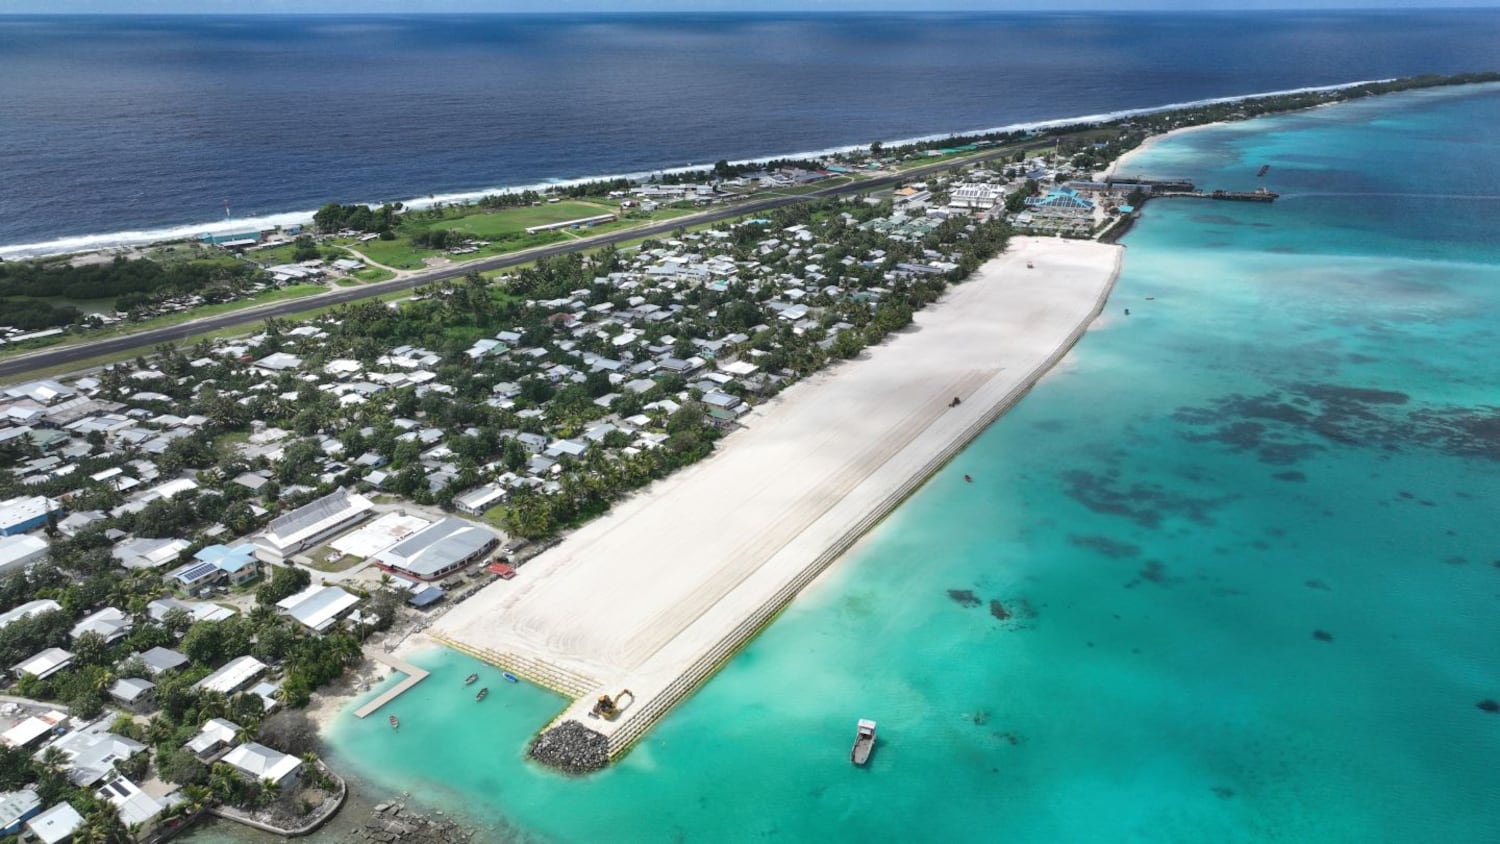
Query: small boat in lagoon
[510,678]
[394,723]
[469,681]
[864,742]
[482,692]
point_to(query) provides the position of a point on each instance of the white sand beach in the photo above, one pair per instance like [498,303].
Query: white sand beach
[1121,166]
[653,596]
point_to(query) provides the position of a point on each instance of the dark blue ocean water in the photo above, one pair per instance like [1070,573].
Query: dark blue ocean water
[113,124]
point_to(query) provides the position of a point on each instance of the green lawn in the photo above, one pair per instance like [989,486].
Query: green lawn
[374,274]
[507,222]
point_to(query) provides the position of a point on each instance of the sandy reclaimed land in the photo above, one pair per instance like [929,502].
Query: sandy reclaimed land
[663,585]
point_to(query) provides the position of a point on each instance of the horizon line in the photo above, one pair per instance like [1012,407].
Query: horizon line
[1101,10]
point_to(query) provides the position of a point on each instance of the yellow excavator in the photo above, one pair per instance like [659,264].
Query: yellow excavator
[610,708]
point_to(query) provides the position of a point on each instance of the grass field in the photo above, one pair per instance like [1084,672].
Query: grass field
[508,222]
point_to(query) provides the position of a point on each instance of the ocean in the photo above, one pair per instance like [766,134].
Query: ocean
[1228,574]
[130,129]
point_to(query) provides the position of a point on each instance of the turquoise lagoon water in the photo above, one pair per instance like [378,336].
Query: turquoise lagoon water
[1244,541]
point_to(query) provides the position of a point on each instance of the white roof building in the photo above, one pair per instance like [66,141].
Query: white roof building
[236,674]
[44,664]
[318,607]
[136,807]
[214,736]
[110,622]
[19,552]
[310,524]
[437,550]
[25,513]
[258,762]
[91,754]
[56,825]
[29,608]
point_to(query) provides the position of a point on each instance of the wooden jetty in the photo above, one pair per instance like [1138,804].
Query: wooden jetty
[414,675]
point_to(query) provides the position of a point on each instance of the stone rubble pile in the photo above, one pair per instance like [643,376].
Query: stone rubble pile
[393,822]
[572,748]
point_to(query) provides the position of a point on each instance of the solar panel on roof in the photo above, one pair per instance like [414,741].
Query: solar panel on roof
[199,571]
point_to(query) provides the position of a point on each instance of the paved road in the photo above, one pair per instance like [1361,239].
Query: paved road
[19,367]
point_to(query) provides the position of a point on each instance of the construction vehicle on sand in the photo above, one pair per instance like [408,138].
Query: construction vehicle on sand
[610,708]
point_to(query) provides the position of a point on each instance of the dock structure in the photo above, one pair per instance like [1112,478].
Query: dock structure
[414,675]
[653,598]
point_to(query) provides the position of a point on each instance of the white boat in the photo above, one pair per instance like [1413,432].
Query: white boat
[864,742]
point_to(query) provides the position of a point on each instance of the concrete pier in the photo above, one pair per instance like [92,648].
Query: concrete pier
[414,675]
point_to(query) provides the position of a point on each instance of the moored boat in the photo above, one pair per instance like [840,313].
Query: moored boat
[469,680]
[864,742]
[510,678]
[482,692]
[394,722]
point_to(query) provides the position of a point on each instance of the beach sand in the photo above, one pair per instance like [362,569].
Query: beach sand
[1121,166]
[653,596]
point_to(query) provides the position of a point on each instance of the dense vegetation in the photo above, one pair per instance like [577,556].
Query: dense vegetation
[334,217]
[133,284]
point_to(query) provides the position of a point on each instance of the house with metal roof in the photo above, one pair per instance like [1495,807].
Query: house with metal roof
[136,807]
[17,807]
[238,564]
[311,524]
[235,675]
[44,664]
[27,512]
[111,623]
[28,609]
[318,607]
[438,550]
[18,553]
[257,763]
[134,693]
[162,660]
[55,826]
[214,739]
[90,754]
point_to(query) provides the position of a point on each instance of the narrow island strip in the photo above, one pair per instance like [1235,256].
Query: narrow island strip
[646,603]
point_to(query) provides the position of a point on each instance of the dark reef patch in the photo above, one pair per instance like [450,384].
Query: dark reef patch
[964,598]
[1291,477]
[1286,425]
[1316,584]
[1489,706]
[1223,793]
[1146,504]
[1322,635]
[998,610]
[1112,548]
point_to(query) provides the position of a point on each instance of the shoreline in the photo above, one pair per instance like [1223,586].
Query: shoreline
[102,241]
[1113,171]
[655,595]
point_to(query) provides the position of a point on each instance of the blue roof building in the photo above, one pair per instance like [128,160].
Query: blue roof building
[238,562]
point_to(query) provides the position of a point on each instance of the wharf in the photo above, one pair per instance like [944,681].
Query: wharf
[1260,195]
[414,675]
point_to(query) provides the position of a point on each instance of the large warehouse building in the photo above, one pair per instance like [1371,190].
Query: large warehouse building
[438,549]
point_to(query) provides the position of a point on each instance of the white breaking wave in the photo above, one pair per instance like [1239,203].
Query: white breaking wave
[93,242]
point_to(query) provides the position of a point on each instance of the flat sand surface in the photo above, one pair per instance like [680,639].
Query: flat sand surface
[640,596]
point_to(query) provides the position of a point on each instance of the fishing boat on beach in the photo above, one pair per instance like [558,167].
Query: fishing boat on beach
[394,723]
[469,680]
[864,742]
[482,692]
